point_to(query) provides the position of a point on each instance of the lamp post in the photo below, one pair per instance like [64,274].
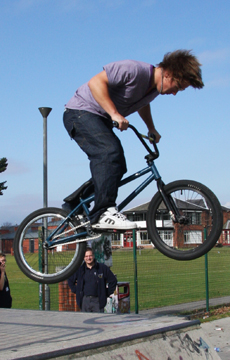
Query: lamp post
[45,112]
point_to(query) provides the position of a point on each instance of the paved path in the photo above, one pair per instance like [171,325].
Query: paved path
[182,308]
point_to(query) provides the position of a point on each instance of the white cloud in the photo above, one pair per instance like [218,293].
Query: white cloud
[217,56]
[16,6]
[16,167]
[218,82]
[196,42]
[88,5]
[18,207]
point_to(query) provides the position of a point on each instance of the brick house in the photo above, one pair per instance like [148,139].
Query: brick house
[225,236]
[137,214]
[7,234]
[31,241]
[195,210]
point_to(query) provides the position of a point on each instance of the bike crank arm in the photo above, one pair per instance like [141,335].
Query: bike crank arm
[57,240]
[75,241]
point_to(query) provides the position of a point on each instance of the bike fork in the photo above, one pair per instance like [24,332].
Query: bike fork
[169,203]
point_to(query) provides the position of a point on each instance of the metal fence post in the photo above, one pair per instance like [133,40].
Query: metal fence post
[206,274]
[135,271]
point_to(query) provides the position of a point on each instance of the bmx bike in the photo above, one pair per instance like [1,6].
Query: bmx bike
[184,221]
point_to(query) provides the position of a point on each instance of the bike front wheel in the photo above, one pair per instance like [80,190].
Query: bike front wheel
[41,264]
[201,220]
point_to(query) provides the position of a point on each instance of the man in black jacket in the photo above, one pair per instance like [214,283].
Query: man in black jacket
[92,284]
[5,297]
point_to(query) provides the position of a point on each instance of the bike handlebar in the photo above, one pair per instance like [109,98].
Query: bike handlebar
[153,155]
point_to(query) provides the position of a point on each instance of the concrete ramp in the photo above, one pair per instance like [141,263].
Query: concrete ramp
[41,335]
[181,344]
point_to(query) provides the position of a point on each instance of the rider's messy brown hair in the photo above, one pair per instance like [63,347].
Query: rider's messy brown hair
[184,67]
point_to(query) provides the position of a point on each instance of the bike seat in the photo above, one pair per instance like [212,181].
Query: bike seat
[84,190]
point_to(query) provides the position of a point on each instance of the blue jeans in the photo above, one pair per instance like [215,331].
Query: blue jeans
[95,136]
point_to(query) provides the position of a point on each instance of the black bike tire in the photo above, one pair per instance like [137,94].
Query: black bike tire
[199,250]
[36,275]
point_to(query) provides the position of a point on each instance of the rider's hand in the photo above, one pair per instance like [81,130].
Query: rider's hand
[156,135]
[123,122]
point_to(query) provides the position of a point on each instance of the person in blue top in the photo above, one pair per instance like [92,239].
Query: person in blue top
[92,283]
[122,88]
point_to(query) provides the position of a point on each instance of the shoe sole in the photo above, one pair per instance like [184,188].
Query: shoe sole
[98,227]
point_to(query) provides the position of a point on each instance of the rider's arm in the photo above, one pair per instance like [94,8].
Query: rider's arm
[99,88]
[145,114]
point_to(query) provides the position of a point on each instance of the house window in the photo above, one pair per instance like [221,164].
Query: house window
[115,239]
[167,236]
[162,216]
[192,237]
[194,217]
[136,217]
[186,237]
[225,237]
[144,238]
[31,246]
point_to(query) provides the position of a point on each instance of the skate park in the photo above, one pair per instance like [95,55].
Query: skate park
[152,335]
[49,50]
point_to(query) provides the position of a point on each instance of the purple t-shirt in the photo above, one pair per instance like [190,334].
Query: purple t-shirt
[129,81]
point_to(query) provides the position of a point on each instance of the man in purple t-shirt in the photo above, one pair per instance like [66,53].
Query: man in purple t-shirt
[122,88]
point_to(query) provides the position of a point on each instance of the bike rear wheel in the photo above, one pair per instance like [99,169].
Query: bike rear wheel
[43,265]
[202,226]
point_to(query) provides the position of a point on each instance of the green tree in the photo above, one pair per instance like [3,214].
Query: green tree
[3,166]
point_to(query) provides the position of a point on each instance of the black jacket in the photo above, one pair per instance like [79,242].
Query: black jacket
[5,297]
[104,277]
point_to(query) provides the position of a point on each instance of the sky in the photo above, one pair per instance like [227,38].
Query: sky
[51,47]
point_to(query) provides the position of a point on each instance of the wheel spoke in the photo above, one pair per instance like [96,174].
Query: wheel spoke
[197,227]
[40,262]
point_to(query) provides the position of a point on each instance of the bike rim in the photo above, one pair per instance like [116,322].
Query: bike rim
[185,241]
[58,260]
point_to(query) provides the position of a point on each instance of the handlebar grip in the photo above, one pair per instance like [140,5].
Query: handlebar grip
[115,124]
[150,137]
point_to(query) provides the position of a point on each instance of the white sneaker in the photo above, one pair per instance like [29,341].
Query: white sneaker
[112,219]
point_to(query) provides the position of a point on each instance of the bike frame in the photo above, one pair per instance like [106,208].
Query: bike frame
[83,203]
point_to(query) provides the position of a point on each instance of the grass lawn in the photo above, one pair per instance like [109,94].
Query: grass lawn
[25,292]
[161,281]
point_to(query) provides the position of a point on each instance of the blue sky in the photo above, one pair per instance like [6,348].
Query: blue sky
[51,47]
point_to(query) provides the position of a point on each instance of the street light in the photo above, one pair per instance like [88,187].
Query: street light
[45,112]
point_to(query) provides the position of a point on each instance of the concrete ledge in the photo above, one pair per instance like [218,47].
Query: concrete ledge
[42,335]
[88,349]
